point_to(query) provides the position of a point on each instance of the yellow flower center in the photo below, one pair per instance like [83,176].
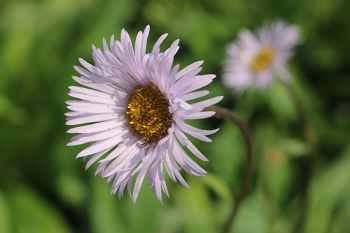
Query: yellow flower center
[262,59]
[148,114]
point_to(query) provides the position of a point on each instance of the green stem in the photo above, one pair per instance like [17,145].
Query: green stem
[227,115]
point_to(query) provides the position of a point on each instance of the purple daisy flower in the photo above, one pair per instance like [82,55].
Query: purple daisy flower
[136,105]
[255,59]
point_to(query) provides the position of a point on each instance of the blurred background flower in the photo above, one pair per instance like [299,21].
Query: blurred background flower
[43,188]
[255,58]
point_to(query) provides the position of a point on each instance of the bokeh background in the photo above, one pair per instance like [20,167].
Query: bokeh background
[43,188]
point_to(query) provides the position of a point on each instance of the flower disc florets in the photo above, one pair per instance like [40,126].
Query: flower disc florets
[148,114]
[262,59]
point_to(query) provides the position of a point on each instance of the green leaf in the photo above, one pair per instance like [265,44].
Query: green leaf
[325,192]
[280,102]
[4,214]
[252,217]
[294,147]
[195,207]
[218,186]
[32,213]
[227,153]
[104,209]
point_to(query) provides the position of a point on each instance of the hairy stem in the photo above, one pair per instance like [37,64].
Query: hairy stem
[226,114]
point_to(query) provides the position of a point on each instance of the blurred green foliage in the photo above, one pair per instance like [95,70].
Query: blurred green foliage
[44,189]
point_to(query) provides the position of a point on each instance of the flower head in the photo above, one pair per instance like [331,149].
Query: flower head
[254,59]
[135,106]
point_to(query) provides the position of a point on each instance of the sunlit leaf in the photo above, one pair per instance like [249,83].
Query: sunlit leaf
[325,192]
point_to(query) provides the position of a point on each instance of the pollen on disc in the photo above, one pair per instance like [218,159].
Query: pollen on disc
[148,113]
